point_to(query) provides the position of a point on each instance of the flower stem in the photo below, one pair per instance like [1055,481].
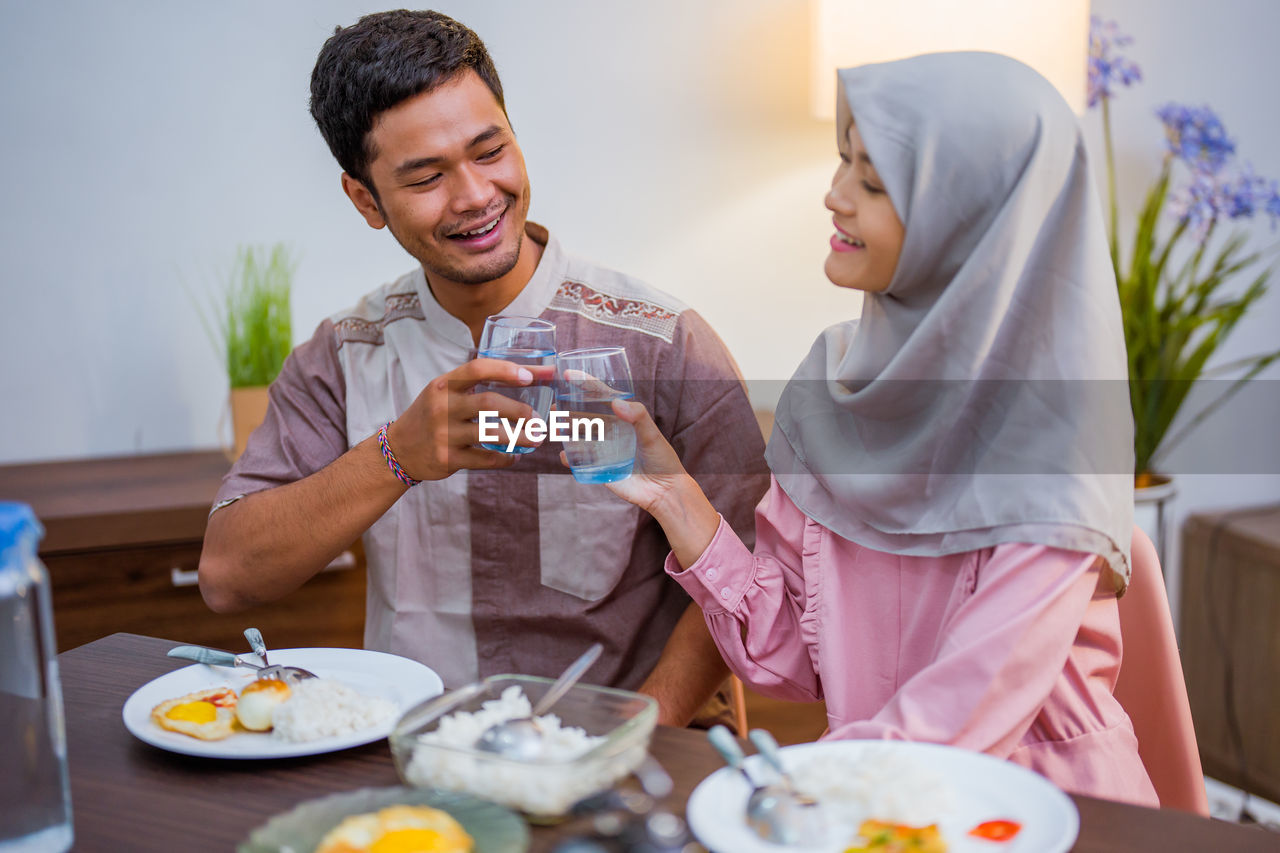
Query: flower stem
[1114,238]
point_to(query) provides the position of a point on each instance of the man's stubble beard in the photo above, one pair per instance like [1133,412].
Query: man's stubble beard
[494,268]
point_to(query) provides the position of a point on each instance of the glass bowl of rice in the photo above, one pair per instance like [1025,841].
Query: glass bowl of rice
[592,738]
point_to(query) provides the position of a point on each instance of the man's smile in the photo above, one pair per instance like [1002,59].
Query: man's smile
[483,234]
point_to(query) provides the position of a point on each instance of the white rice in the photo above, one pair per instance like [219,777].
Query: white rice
[321,707]
[546,786]
[879,784]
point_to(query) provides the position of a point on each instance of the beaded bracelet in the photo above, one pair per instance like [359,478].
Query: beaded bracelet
[392,463]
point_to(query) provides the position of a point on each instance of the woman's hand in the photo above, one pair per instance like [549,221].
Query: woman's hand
[660,486]
[658,470]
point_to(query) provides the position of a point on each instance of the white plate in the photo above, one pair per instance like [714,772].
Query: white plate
[405,682]
[982,788]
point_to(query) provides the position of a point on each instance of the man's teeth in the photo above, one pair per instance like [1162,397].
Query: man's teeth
[484,229]
[845,238]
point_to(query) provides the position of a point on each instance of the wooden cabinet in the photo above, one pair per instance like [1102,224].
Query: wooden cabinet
[122,543]
[1230,643]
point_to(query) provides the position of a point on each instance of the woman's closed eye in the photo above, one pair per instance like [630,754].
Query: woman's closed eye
[872,188]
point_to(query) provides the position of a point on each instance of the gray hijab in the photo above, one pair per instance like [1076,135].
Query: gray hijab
[982,398]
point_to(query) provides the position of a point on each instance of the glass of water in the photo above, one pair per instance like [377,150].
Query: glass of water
[527,341]
[601,446]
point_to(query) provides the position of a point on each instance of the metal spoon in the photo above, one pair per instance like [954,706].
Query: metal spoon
[521,738]
[810,822]
[290,674]
[217,657]
[768,806]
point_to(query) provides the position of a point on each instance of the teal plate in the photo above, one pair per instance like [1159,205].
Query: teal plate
[494,828]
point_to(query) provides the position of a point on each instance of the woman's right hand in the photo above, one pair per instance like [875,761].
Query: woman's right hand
[658,470]
[660,485]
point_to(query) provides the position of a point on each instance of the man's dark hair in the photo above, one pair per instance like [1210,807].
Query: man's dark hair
[379,61]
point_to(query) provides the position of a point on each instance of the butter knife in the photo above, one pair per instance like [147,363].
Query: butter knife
[217,657]
[214,657]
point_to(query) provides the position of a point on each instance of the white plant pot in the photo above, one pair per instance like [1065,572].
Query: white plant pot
[1151,512]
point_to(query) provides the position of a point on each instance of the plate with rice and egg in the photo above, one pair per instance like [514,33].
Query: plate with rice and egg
[356,699]
[876,792]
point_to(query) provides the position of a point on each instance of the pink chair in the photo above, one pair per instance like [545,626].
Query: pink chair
[1151,687]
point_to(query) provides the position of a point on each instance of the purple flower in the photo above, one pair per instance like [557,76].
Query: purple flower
[1217,189]
[1199,203]
[1210,197]
[1107,72]
[1245,194]
[1196,136]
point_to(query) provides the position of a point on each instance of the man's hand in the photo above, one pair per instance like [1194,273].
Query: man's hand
[438,434]
[270,542]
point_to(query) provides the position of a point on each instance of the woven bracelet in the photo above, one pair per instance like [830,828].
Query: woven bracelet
[392,463]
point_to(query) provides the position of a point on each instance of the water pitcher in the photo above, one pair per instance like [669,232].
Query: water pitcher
[35,793]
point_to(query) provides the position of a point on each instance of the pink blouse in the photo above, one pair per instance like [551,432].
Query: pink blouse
[1011,650]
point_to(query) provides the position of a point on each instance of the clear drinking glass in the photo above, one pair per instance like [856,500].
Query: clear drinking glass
[523,340]
[602,446]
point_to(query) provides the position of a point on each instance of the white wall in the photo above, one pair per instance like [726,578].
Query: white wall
[143,140]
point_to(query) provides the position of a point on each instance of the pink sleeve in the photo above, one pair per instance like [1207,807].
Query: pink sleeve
[999,655]
[762,593]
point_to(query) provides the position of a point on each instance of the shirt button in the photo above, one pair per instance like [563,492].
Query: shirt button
[711,574]
[725,593]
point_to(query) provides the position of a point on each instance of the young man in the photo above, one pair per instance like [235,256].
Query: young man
[476,569]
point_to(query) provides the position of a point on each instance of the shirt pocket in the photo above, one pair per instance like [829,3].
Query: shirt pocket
[585,535]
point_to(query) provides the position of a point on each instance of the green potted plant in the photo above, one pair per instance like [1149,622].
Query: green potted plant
[252,331]
[1178,292]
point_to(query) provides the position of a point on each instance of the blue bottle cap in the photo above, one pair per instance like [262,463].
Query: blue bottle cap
[18,523]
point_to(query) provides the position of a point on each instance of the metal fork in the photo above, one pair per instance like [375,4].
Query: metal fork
[290,674]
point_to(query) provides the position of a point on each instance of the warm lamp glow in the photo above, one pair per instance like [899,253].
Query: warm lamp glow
[1052,36]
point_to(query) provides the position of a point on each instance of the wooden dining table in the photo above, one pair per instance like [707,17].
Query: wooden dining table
[129,796]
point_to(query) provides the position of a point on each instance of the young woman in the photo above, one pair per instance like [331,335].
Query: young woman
[949,521]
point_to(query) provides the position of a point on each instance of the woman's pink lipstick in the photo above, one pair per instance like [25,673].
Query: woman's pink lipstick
[838,245]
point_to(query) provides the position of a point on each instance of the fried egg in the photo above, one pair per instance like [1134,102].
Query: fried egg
[884,837]
[398,829]
[205,714]
[258,700]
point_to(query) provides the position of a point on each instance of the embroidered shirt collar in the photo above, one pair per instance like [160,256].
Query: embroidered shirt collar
[532,300]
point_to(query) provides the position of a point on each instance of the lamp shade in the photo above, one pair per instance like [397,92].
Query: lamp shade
[1052,36]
